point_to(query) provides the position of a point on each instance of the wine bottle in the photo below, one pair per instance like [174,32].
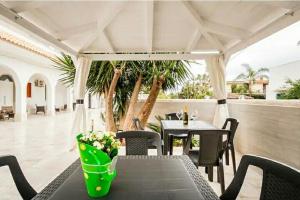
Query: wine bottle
[185,117]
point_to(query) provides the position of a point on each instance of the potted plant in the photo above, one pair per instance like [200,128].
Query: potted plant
[98,155]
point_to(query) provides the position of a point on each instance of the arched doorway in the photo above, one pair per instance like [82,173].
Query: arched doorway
[7,97]
[38,95]
[11,93]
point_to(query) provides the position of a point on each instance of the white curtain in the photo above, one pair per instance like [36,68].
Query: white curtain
[81,76]
[216,70]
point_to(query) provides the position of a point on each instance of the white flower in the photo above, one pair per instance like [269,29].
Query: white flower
[99,136]
[98,145]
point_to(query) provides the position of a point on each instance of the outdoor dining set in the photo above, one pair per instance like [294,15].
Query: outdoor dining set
[170,177]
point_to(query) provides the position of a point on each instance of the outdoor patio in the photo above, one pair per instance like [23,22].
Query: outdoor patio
[42,157]
[119,51]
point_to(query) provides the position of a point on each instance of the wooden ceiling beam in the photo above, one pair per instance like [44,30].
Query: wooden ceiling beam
[69,33]
[28,6]
[109,42]
[193,42]
[268,30]
[150,25]
[201,25]
[162,56]
[226,30]
[102,23]
[13,18]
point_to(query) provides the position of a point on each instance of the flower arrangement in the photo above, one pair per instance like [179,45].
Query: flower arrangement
[98,154]
[105,142]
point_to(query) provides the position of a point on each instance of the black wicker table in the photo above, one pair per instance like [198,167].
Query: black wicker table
[139,177]
[177,127]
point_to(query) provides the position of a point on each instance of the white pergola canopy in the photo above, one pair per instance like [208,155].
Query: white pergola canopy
[116,29]
[151,30]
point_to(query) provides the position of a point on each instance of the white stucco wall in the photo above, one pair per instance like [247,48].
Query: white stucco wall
[278,76]
[22,65]
[60,95]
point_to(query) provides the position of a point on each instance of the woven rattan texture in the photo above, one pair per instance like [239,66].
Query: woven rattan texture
[202,184]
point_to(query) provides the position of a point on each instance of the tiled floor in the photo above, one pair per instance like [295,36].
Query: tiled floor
[41,146]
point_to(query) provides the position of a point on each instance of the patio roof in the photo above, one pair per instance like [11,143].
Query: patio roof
[141,29]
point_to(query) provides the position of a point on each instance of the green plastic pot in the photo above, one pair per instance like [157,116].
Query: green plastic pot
[98,169]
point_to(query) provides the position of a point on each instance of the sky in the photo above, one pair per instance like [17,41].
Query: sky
[280,48]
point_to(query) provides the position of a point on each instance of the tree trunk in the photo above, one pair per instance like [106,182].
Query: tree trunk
[250,88]
[109,113]
[147,107]
[131,108]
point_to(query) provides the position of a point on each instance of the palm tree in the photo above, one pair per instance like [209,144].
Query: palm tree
[102,79]
[120,83]
[252,75]
[163,75]
[197,88]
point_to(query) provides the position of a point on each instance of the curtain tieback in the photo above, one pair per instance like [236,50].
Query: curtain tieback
[79,101]
[222,101]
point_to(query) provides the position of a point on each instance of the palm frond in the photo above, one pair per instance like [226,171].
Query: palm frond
[241,76]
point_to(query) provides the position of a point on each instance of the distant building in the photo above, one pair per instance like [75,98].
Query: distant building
[258,88]
[279,75]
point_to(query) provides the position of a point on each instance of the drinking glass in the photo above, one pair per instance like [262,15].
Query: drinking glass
[194,115]
[179,114]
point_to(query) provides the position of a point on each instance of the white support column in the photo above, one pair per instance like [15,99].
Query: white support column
[81,76]
[69,99]
[217,73]
[50,100]
[20,112]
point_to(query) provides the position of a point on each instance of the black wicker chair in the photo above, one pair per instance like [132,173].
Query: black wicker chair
[137,142]
[228,144]
[210,152]
[40,109]
[183,136]
[24,188]
[279,181]
[137,124]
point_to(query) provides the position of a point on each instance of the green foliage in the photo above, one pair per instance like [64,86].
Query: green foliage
[156,127]
[291,90]
[239,89]
[102,141]
[257,96]
[164,95]
[197,88]
[64,63]
[252,75]
[102,72]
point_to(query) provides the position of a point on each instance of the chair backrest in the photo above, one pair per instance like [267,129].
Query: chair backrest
[137,124]
[171,116]
[137,142]
[232,128]
[24,188]
[210,147]
[279,181]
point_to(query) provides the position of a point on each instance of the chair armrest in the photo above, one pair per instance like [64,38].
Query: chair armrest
[24,188]
[234,188]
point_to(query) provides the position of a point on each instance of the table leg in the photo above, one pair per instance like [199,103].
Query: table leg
[165,137]
[210,173]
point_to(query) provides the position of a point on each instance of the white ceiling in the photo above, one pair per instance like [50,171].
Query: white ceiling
[160,26]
